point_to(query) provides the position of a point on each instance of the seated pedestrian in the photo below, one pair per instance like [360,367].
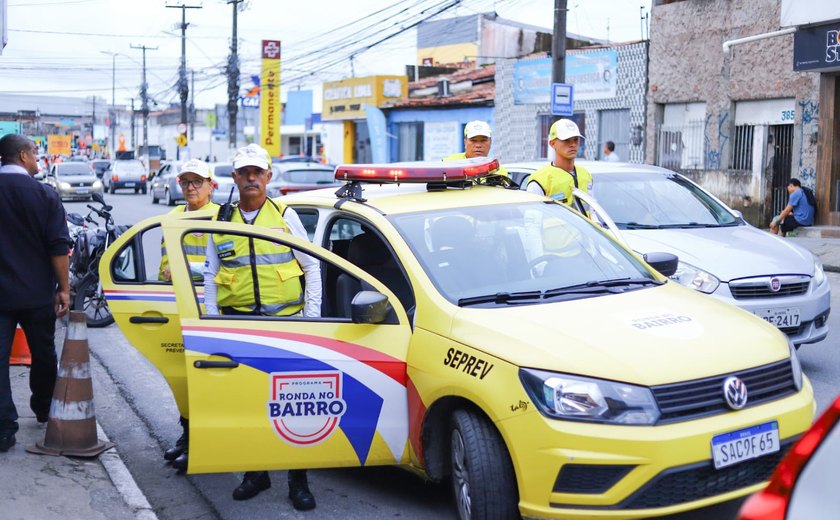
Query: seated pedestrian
[798,212]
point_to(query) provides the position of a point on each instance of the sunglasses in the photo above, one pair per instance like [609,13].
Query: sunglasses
[195,183]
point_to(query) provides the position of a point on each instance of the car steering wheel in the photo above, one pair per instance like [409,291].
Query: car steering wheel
[543,259]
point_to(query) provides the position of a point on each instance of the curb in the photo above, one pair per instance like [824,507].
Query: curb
[124,482]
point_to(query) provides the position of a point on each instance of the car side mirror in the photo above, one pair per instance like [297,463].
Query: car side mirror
[738,214]
[665,263]
[369,307]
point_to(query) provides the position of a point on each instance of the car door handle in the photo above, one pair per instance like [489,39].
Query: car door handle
[215,364]
[148,319]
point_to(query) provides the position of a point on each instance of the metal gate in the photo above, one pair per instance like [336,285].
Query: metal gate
[781,138]
[614,125]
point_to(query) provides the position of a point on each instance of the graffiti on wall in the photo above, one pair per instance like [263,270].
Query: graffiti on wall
[810,115]
[714,147]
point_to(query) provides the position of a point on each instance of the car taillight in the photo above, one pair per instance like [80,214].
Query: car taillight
[772,502]
[142,178]
[115,178]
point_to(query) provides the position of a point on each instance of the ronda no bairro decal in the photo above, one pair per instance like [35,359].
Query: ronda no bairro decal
[305,407]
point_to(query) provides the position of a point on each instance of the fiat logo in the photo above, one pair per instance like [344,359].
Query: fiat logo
[735,393]
[775,284]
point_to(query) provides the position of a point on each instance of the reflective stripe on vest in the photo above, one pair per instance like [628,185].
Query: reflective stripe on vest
[195,247]
[557,183]
[256,272]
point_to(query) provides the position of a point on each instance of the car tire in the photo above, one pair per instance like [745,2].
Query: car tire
[111,189]
[169,201]
[154,199]
[136,191]
[483,480]
[144,189]
[91,300]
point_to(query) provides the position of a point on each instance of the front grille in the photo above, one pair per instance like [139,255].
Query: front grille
[703,397]
[698,481]
[795,331]
[789,285]
[589,478]
[81,184]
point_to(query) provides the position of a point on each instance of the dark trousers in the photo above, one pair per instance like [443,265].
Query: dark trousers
[39,327]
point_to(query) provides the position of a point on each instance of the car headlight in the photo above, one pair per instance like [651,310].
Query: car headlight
[795,367]
[97,185]
[819,272]
[64,185]
[562,396]
[695,278]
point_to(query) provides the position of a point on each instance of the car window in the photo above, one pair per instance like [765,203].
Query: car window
[129,167]
[642,200]
[76,168]
[309,176]
[506,248]
[223,170]
[309,219]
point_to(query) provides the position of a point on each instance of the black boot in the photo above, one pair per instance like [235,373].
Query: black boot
[181,444]
[180,463]
[302,499]
[252,484]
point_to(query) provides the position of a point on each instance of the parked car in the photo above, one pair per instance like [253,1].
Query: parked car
[125,174]
[100,166]
[581,384]
[289,177]
[164,186]
[78,158]
[804,485]
[720,253]
[223,177]
[73,180]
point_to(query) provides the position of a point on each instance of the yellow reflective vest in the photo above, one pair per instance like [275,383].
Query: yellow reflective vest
[258,275]
[195,247]
[557,183]
[462,155]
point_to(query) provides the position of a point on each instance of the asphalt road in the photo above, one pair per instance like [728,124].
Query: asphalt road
[136,410]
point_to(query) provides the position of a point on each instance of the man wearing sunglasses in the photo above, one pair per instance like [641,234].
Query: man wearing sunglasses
[196,182]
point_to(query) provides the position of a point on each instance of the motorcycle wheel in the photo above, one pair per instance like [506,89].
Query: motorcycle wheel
[91,299]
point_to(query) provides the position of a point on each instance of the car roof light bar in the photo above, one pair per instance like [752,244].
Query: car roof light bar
[418,172]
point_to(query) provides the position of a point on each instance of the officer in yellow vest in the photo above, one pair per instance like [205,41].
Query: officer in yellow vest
[196,181]
[557,179]
[256,277]
[477,143]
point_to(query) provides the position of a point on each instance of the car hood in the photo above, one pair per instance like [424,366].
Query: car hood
[729,253]
[77,178]
[649,336]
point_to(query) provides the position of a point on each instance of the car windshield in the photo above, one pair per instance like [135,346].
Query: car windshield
[223,170]
[518,253]
[309,176]
[654,201]
[76,168]
[128,167]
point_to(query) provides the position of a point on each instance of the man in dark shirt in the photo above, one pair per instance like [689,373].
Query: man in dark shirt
[34,243]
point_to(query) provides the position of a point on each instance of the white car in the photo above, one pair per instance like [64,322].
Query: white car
[225,186]
[720,254]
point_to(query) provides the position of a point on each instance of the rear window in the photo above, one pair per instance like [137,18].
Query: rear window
[309,176]
[223,170]
[129,167]
[74,169]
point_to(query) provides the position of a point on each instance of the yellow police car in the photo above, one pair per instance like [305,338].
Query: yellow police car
[474,332]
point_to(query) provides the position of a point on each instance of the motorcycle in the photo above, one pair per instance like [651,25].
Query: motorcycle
[89,245]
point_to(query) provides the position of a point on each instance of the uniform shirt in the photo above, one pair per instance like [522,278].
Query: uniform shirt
[802,211]
[34,230]
[311,267]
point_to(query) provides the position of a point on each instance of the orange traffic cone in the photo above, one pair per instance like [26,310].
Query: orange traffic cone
[71,428]
[20,349]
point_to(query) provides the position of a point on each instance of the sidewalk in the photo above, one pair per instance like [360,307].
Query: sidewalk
[62,488]
[827,249]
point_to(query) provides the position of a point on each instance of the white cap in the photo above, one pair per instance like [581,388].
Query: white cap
[198,167]
[252,155]
[476,128]
[564,129]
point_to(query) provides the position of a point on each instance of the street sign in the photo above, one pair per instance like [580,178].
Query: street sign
[181,140]
[182,128]
[218,131]
[562,99]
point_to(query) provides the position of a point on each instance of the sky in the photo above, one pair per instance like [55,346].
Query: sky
[66,47]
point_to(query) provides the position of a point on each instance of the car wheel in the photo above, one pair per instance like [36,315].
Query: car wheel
[154,199]
[90,298]
[169,201]
[483,481]
[136,191]
[111,189]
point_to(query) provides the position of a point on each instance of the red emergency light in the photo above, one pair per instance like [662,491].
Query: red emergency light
[418,172]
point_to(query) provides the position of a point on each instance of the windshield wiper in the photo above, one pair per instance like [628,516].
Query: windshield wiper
[688,225]
[600,286]
[636,225]
[500,298]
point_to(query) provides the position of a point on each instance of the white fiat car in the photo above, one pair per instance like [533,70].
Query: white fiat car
[720,254]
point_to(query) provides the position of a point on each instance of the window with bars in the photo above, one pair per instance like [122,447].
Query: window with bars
[742,149]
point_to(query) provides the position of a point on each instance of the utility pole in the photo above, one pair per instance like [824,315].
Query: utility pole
[183,90]
[233,81]
[133,133]
[93,121]
[558,45]
[192,106]
[144,100]
[112,113]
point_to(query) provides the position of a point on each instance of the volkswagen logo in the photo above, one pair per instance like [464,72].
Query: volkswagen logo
[735,393]
[775,284]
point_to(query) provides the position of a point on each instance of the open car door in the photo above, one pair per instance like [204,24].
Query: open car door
[268,392]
